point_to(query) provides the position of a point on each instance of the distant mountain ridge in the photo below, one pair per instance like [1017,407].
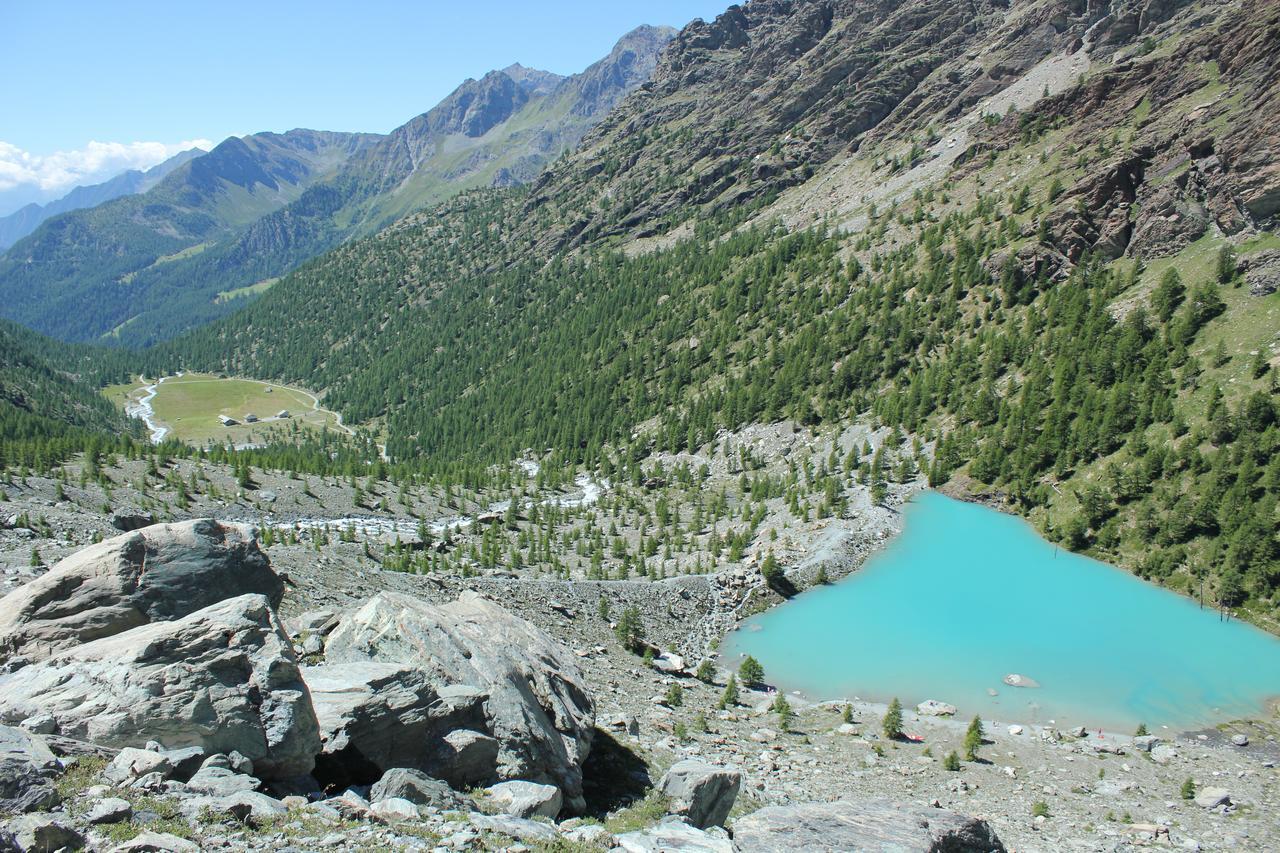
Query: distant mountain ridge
[26,219]
[275,211]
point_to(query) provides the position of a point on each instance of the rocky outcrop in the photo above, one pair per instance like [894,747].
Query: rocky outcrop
[534,700]
[223,678]
[159,573]
[869,825]
[700,793]
[673,834]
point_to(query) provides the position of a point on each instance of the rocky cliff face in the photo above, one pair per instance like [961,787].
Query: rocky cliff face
[761,98]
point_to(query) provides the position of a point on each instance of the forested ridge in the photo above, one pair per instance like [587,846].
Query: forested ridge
[1036,323]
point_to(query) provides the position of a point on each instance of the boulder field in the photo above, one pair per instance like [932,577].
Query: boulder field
[161,653]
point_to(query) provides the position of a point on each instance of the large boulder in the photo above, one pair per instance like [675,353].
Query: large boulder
[375,716]
[417,787]
[862,825]
[26,763]
[701,793]
[159,573]
[673,835]
[536,703]
[223,678]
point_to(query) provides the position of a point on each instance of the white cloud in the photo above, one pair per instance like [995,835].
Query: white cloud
[54,174]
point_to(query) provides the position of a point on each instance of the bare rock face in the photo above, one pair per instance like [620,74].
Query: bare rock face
[26,765]
[223,678]
[159,573]
[866,825]
[376,716]
[536,705]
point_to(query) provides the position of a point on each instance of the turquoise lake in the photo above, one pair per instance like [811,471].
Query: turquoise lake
[967,595]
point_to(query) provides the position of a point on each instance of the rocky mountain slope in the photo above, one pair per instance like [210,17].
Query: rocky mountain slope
[945,277]
[23,221]
[500,130]
[85,274]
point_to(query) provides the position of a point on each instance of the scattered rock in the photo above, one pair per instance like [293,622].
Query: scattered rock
[701,793]
[673,834]
[669,662]
[863,825]
[1013,679]
[130,521]
[1240,740]
[156,842]
[1015,729]
[130,764]
[218,781]
[516,827]
[526,799]
[1146,743]
[43,832]
[1212,797]
[394,809]
[160,573]
[109,810]
[223,678]
[934,708]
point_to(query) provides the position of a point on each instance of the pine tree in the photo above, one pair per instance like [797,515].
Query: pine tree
[892,723]
[973,739]
[730,695]
[751,672]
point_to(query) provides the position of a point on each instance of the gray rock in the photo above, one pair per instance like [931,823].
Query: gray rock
[109,810]
[130,521]
[537,705]
[241,805]
[1212,797]
[220,782]
[419,788]
[394,809]
[701,793]
[130,764]
[385,715]
[673,835]
[156,842]
[515,827]
[934,708]
[223,678]
[40,724]
[862,825]
[1163,753]
[592,835]
[1240,740]
[526,799]
[160,573]
[240,763]
[42,832]
[315,622]
[1146,743]
[26,762]
[185,761]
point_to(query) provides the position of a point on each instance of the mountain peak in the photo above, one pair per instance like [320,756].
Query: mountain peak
[532,81]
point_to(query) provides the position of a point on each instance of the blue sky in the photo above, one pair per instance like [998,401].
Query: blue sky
[132,74]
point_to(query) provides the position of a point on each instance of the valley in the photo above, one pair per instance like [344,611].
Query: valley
[190,407]
[837,425]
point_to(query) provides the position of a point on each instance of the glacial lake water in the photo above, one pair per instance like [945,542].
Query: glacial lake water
[967,595]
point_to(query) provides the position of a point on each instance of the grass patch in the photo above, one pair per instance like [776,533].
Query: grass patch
[639,815]
[190,405]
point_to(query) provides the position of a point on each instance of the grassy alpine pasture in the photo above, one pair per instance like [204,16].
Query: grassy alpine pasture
[190,406]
